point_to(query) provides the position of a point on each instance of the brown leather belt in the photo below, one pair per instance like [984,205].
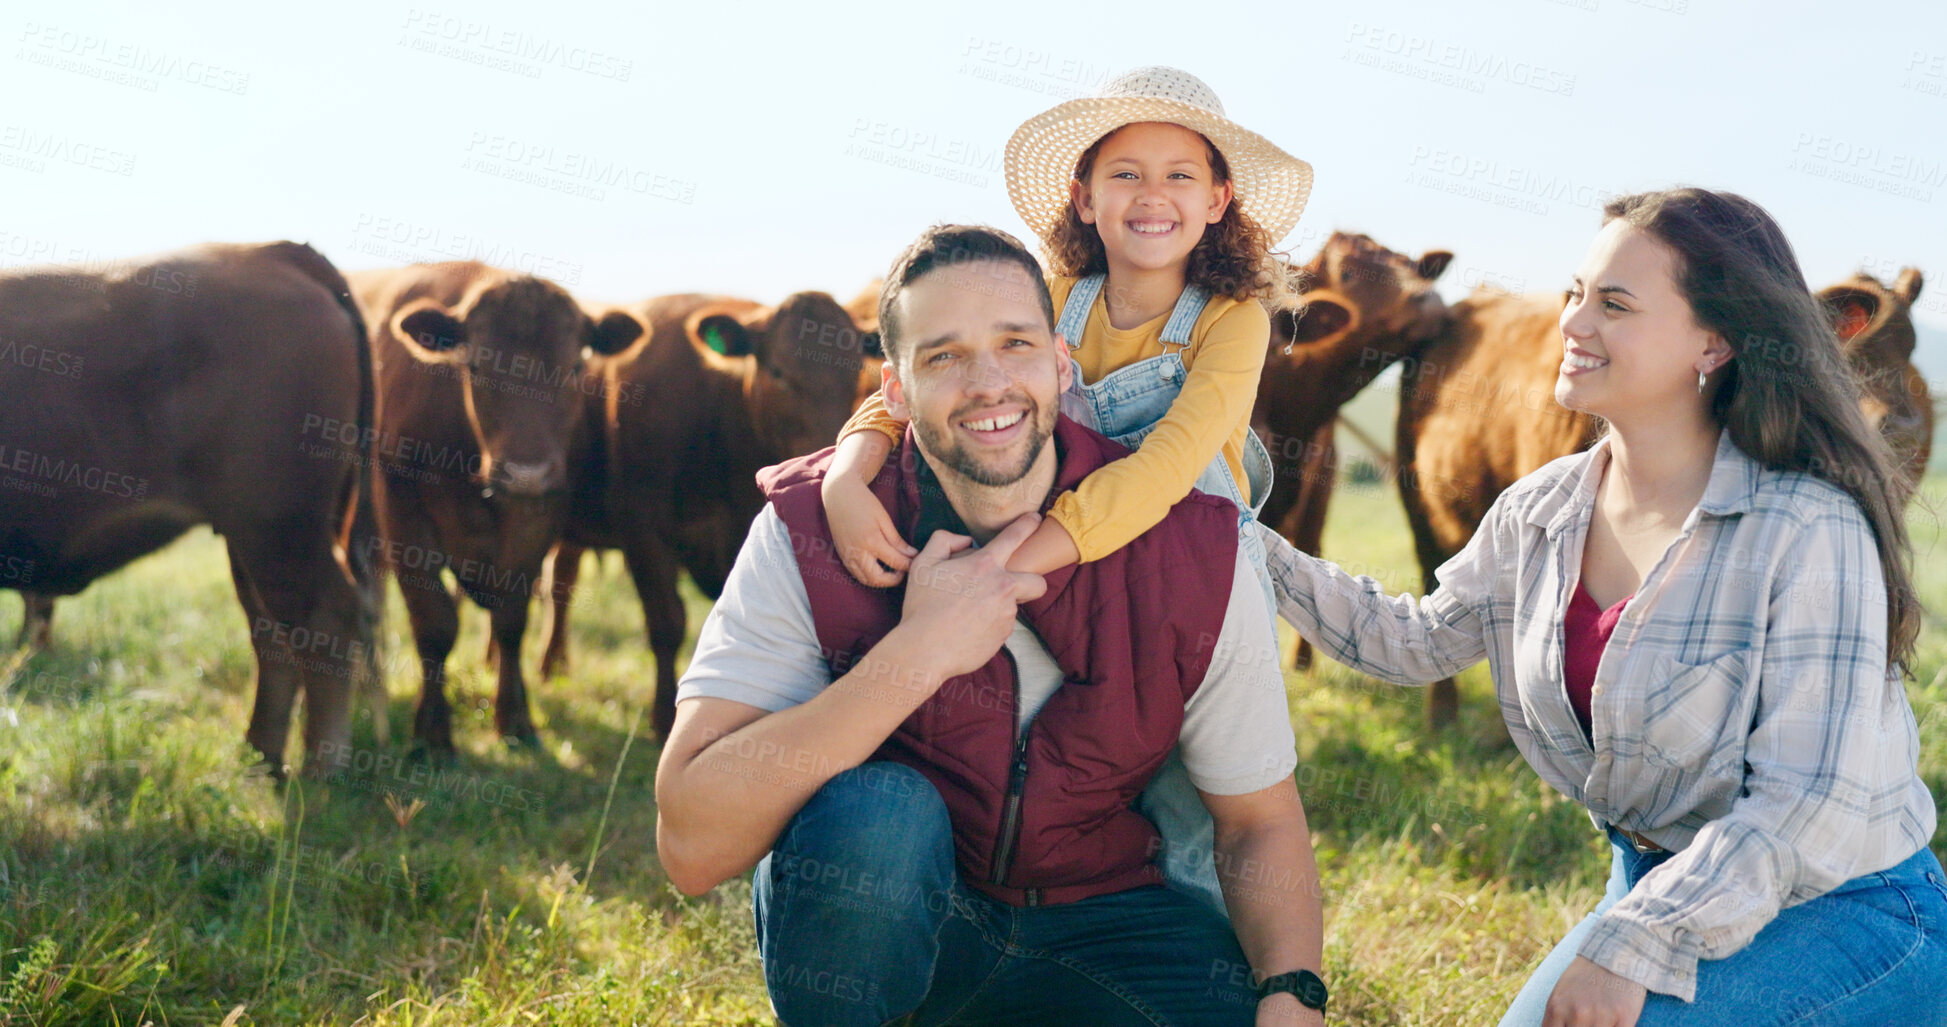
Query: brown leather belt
[1642,843]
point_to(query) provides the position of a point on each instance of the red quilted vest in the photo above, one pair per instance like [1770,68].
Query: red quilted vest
[1049,819]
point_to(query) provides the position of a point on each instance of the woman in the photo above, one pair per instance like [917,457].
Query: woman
[1698,630]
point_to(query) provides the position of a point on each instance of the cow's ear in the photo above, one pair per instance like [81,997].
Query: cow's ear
[1325,315]
[1907,286]
[723,334]
[429,326]
[613,332]
[1851,310]
[1433,264]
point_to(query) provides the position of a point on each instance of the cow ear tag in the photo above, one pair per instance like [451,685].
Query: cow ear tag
[713,337]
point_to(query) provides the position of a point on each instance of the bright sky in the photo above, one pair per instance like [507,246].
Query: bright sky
[760,149]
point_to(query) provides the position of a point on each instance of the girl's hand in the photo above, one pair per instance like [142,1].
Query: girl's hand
[1589,996]
[863,533]
[861,528]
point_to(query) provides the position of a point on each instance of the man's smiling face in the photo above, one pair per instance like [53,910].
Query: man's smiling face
[980,370]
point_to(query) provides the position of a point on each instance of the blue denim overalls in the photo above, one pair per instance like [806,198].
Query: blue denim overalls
[1126,405]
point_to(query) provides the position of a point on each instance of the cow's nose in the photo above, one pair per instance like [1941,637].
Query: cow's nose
[528,479]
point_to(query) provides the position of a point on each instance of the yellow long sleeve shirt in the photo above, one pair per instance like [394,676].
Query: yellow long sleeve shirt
[1210,416]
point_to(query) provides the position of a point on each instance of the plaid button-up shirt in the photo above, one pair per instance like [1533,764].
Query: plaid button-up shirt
[1744,714]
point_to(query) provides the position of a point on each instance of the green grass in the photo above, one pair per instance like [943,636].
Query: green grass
[146,875]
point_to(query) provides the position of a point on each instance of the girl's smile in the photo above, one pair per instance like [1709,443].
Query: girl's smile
[1150,193]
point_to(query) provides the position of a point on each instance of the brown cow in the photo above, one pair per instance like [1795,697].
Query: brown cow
[226,385]
[680,427]
[1876,325]
[1365,307]
[864,310]
[479,380]
[1477,410]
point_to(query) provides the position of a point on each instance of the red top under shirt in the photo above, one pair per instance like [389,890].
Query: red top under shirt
[1586,628]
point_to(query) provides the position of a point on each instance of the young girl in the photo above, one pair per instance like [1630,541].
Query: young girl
[1696,629]
[1157,214]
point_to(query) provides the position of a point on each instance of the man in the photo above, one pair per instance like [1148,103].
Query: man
[939,784]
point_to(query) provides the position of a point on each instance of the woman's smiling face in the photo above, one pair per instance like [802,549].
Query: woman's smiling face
[1630,341]
[1150,194]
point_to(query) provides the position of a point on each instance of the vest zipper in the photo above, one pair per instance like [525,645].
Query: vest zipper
[1010,834]
[1017,777]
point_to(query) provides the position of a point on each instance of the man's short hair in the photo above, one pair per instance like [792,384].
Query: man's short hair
[956,246]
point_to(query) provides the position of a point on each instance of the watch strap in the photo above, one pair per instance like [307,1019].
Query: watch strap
[1307,986]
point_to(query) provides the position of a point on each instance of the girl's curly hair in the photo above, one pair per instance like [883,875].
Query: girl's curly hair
[1234,258]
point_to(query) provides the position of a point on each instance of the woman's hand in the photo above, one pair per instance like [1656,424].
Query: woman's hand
[863,533]
[1589,996]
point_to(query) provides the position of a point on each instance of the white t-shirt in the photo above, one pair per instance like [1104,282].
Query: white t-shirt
[759,647]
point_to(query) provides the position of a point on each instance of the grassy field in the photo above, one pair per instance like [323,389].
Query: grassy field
[147,876]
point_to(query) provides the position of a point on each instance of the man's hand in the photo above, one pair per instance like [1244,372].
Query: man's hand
[961,603]
[1283,1010]
[1589,996]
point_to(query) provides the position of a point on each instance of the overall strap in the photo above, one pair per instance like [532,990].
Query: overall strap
[1074,312]
[1189,307]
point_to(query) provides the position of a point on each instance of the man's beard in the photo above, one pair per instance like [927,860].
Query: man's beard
[945,450]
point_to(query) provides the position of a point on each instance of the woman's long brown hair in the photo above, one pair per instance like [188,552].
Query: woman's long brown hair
[1788,396]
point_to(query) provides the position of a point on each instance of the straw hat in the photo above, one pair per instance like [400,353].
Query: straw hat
[1271,184]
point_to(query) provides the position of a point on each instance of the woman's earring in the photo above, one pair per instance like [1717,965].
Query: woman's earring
[1700,383]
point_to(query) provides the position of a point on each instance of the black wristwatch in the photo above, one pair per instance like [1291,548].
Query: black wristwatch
[1302,983]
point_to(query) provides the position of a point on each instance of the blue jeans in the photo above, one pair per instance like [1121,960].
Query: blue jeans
[1871,952]
[862,919]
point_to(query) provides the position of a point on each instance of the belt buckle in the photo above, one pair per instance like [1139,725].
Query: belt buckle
[1644,846]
